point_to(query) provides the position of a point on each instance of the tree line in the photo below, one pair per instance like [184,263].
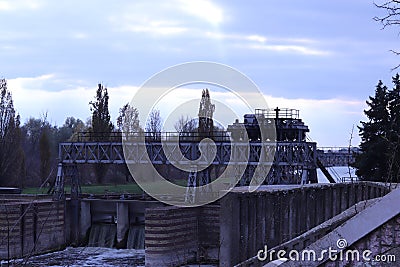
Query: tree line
[29,152]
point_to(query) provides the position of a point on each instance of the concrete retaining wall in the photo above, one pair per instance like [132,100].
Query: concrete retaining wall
[275,214]
[29,227]
[384,241]
[176,236]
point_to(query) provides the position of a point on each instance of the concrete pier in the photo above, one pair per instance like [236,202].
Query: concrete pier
[85,219]
[122,221]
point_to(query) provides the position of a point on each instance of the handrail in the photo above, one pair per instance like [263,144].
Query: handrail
[339,149]
[153,136]
[283,113]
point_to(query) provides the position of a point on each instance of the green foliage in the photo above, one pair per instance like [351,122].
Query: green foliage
[93,189]
[70,129]
[40,142]
[45,155]
[101,119]
[11,155]
[380,136]
[101,125]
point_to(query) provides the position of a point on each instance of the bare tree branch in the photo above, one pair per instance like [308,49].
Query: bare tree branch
[392,18]
[350,151]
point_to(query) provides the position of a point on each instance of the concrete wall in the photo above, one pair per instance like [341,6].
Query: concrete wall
[275,214]
[208,233]
[176,236]
[302,241]
[384,241]
[30,226]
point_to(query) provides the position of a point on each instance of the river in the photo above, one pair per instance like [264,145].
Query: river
[83,256]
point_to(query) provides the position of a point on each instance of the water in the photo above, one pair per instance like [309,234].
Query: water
[84,256]
[99,252]
[135,237]
[102,235]
[338,173]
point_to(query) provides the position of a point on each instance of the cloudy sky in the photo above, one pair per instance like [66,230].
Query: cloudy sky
[322,57]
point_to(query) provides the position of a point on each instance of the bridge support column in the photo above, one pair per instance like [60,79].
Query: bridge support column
[230,244]
[74,224]
[85,219]
[122,222]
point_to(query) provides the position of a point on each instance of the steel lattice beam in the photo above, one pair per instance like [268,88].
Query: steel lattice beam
[292,160]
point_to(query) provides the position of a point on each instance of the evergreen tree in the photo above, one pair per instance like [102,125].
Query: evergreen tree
[101,125]
[380,136]
[11,154]
[372,163]
[393,134]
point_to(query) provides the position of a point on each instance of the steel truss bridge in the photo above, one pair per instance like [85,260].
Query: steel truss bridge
[293,162]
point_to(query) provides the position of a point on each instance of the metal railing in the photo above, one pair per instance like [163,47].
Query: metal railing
[284,113]
[153,136]
[343,150]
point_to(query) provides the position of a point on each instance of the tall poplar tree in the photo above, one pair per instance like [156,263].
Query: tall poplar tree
[101,125]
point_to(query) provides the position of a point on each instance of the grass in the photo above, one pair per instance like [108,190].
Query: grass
[92,189]
[98,189]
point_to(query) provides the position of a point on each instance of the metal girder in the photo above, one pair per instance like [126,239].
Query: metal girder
[293,161]
[91,152]
[191,186]
[330,159]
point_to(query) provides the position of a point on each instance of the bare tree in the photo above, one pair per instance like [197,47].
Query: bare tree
[185,124]
[128,120]
[154,124]
[349,152]
[391,18]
